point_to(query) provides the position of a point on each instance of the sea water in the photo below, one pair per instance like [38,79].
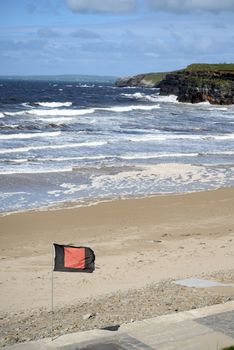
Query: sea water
[70,142]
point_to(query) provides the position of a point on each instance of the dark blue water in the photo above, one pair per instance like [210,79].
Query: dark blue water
[67,141]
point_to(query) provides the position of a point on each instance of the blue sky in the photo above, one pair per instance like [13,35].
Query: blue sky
[113,37]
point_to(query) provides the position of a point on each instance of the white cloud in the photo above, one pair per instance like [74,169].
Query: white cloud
[102,6]
[178,6]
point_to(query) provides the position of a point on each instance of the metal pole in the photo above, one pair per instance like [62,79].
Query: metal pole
[52,294]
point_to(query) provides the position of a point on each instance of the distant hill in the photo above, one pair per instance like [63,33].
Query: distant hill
[64,77]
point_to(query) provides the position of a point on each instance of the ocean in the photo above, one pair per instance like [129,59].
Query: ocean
[64,144]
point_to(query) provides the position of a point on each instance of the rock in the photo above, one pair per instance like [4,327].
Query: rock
[88,316]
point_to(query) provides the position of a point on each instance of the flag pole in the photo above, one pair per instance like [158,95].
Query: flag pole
[52,293]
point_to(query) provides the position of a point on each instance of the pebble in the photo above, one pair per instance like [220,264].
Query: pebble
[88,316]
[118,308]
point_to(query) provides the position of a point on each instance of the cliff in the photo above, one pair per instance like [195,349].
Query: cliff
[141,80]
[199,83]
[196,83]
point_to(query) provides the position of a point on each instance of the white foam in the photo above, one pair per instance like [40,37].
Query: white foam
[152,98]
[54,104]
[62,112]
[59,120]
[205,103]
[136,95]
[62,159]
[145,176]
[69,145]
[217,108]
[53,112]
[35,171]
[120,109]
[164,137]
[169,98]
[156,155]
[16,161]
[15,113]
[29,136]
[223,137]
[2,115]
[26,104]
[221,153]
[86,86]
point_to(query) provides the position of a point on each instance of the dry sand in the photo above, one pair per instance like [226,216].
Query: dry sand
[137,242]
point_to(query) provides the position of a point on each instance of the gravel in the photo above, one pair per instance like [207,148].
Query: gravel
[113,309]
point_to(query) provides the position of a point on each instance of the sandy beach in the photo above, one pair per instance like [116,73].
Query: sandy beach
[137,242]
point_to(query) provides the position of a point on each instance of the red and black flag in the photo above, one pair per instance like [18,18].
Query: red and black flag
[73,259]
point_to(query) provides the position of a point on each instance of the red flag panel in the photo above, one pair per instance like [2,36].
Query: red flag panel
[74,258]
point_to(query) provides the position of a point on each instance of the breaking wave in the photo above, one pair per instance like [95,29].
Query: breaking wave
[69,145]
[151,98]
[53,112]
[29,136]
[119,109]
[54,104]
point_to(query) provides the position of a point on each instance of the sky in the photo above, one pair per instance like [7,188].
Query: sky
[113,37]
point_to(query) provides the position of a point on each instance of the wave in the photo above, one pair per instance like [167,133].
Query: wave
[172,155]
[69,145]
[157,155]
[169,98]
[15,161]
[222,137]
[136,95]
[29,136]
[2,115]
[151,98]
[217,108]
[54,104]
[222,153]
[35,171]
[53,159]
[58,121]
[53,112]
[120,109]
[162,137]
[77,112]
[142,96]
[125,156]
[86,86]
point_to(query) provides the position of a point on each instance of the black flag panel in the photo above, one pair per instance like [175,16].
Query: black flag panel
[73,259]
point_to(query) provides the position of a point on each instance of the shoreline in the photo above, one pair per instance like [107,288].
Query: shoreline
[76,204]
[140,245]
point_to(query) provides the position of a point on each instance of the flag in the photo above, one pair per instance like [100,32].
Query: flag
[73,259]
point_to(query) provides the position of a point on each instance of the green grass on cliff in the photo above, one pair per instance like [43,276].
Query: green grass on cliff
[155,77]
[211,67]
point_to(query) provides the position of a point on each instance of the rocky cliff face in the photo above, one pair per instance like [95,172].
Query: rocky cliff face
[217,87]
[196,83]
